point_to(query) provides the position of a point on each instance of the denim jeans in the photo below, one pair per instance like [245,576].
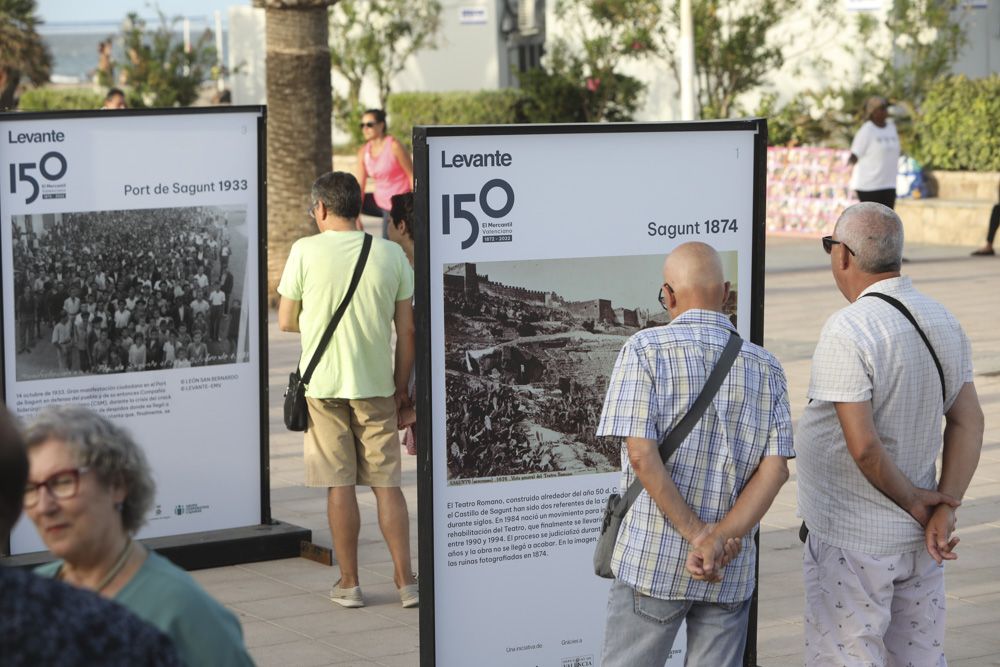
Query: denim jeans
[640,630]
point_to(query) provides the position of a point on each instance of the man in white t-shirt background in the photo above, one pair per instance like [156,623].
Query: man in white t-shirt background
[875,155]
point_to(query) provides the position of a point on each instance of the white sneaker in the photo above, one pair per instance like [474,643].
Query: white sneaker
[409,596]
[347,597]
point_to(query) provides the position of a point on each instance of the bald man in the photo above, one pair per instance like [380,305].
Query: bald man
[880,521]
[685,551]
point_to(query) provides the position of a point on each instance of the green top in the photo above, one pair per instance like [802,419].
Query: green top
[358,361]
[203,631]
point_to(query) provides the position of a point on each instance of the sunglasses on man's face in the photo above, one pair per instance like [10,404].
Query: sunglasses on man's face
[368,125]
[829,242]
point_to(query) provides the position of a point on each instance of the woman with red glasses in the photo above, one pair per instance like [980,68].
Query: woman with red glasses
[387,162]
[88,491]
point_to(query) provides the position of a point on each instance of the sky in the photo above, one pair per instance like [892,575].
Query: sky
[100,11]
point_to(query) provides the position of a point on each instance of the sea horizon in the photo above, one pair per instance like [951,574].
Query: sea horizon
[73,44]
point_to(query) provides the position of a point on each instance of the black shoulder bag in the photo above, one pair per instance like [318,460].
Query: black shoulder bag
[296,410]
[618,506]
[895,303]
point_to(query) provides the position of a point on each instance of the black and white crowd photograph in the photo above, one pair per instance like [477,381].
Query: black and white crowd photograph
[528,346]
[129,291]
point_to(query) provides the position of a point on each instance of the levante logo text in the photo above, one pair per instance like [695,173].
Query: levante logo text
[459,160]
[49,136]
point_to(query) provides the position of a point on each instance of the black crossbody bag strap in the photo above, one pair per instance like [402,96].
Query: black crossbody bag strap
[359,268]
[672,440]
[908,315]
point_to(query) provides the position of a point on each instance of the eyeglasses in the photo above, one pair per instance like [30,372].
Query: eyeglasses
[829,242]
[62,485]
[369,124]
[659,295]
[311,211]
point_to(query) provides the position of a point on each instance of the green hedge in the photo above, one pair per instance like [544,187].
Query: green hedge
[484,107]
[59,99]
[69,99]
[957,125]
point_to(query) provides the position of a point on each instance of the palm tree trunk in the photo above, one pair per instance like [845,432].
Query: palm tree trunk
[299,108]
[9,78]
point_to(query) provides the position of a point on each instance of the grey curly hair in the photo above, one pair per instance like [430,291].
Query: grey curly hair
[106,448]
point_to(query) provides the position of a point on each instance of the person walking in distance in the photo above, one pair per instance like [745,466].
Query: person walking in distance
[875,154]
[991,232]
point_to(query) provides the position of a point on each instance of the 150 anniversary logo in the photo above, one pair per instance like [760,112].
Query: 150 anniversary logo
[495,200]
[41,177]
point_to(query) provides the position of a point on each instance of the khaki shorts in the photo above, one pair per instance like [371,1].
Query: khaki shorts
[352,442]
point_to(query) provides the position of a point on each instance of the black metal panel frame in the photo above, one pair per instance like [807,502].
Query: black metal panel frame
[421,227]
[271,539]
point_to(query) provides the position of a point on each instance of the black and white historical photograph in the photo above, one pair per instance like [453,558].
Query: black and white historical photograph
[529,346]
[127,291]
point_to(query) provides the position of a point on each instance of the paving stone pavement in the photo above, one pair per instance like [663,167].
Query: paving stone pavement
[288,620]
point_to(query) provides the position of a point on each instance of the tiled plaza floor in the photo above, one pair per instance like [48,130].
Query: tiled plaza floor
[288,621]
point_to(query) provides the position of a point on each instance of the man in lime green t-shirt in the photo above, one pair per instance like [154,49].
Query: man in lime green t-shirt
[355,391]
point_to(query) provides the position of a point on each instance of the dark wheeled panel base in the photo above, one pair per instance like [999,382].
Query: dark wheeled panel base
[214,548]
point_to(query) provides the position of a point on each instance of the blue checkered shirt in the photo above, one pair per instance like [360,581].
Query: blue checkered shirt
[658,375]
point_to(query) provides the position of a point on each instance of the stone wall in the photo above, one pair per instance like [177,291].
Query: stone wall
[534,297]
[944,221]
[584,310]
[964,185]
[960,213]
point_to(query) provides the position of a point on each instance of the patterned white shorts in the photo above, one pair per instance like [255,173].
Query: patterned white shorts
[872,611]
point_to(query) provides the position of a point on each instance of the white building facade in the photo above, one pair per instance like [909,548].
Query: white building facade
[482,44]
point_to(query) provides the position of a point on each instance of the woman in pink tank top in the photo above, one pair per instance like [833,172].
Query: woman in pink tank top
[385,161]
